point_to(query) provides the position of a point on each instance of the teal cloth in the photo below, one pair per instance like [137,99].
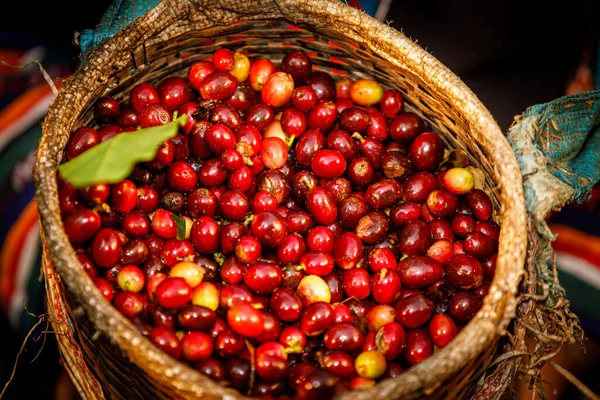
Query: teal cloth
[568,134]
[120,14]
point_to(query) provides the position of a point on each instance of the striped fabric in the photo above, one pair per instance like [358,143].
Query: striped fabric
[577,249]
[20,253]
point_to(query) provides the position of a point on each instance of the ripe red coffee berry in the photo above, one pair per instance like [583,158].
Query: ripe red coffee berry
[442,330]
[143,95]
[413,311]
[206,235]
[273,152]
[219,85]
[198,71]
[479,245]
[304,98]
[260,71]
[321,205]
[278,89]
[154,115]
[426,151]
[226,115]
[441,251]
[82,225]
[263,277]
[419,271]
[173,92]
[245,320]
[385,286]
[166,340]
[442,203]
[98,193]
[293,122]
[390,340]
[219,138]
[323,85]
[406,126]
[181,176]
[248,249]
[196,346]
[269,228]
[234,205]
[392,103]
[298,65]
[380,258]
[173,293]
[105,288]
[163,224]
[316,263]
[419,346]
[348,250]
[106,110]
[464,305]
[464,272]
[480,204]
[383,194]
[129,304]
[223,59]
[354,119]
[106,247]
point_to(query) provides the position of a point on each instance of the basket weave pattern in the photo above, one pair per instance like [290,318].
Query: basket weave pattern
[107,357]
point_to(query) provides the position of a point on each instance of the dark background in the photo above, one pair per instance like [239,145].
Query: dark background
[512,54]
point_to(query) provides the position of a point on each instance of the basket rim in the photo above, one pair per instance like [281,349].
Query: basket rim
[499,305]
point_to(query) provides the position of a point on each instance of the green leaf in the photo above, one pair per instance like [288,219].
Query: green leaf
[113,160]
[180,223]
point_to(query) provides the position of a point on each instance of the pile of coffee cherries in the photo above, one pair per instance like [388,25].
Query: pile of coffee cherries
[301,236]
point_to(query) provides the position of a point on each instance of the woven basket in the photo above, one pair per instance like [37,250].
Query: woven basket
[103,352]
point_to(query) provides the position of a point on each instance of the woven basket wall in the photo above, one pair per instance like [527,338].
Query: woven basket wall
[103,352]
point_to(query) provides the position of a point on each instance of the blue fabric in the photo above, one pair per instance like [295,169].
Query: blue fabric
[568,134]
[120,14]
